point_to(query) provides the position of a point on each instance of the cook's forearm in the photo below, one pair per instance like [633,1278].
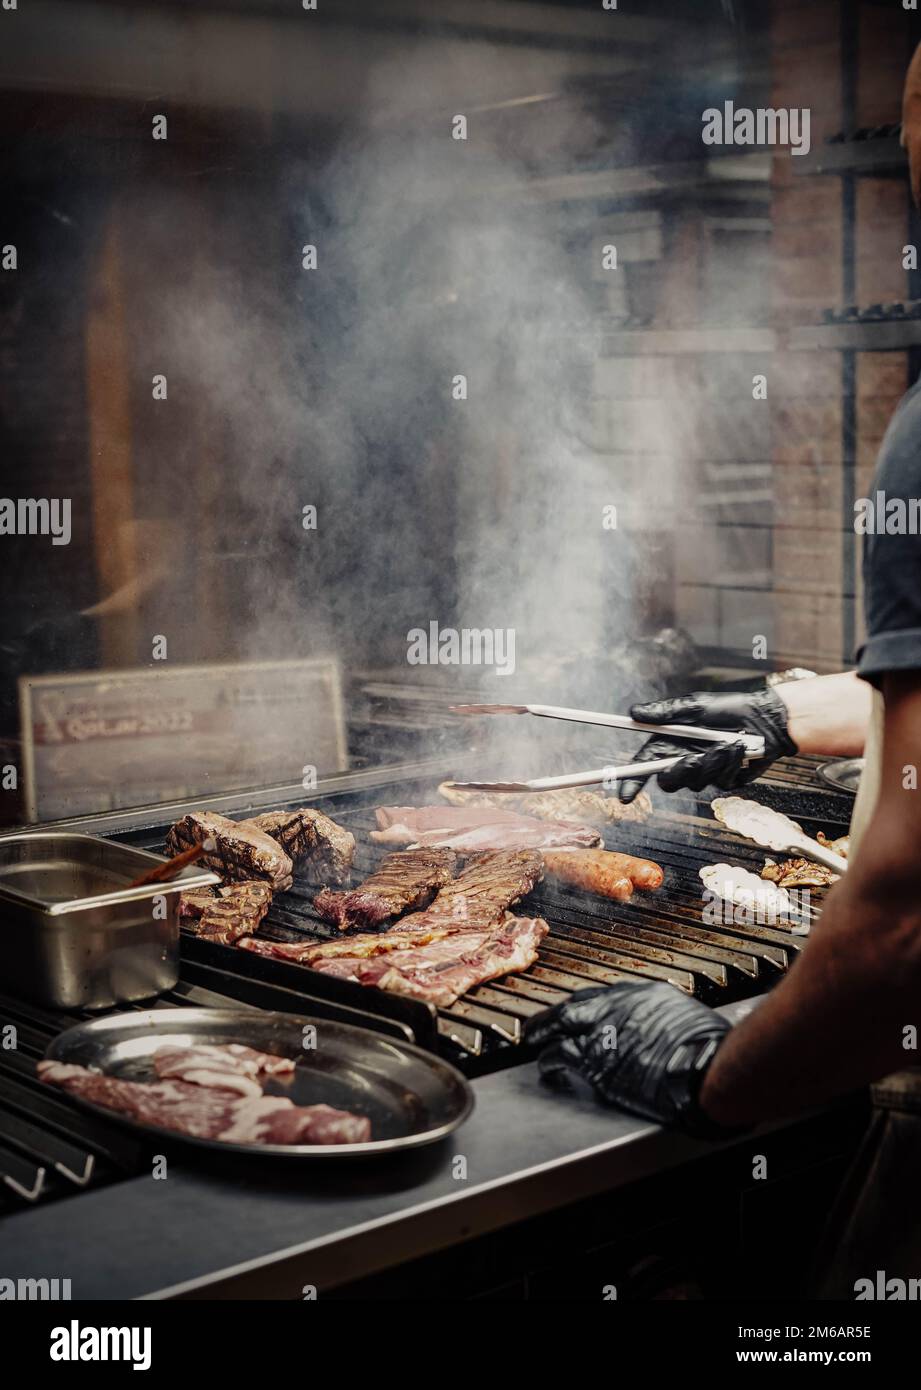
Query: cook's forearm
[834,1023]
[828,714]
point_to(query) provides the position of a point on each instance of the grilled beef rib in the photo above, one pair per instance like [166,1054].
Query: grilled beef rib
[404,882]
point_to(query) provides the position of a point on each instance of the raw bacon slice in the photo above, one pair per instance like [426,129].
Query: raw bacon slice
[476,828]
[274,1120]
[231,1067]
[206,1112]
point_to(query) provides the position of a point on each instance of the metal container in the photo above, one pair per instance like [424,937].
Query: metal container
[411,1097]
[844,774]
[74,935]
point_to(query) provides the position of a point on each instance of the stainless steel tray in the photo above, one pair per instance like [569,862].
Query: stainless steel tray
[843,774]
[74,934]
[411,1097]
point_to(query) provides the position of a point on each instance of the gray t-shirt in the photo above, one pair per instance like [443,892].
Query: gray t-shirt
[892,549]
[892,581]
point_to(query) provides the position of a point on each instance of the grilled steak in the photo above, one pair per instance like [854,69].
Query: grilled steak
[195,902]
[224,914]
[242,850]
[404,882]
[474,901]
[208,1112]
[320,849]
[475,828]
[231,1067]
[489,883]
[565,803]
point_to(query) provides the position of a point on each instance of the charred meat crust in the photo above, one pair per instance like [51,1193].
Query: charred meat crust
[225,914]
[242,851]
[404,882]
[321,850]
[464,937]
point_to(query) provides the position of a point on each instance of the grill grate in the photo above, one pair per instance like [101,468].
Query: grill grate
[49,1149]
[592,941]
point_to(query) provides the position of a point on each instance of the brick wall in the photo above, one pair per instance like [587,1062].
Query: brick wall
[811,589]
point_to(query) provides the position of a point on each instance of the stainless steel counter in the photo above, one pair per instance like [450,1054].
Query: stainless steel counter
[265,1230]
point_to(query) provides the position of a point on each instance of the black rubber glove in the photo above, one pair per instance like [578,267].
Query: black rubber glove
[712,764]
[643,1046]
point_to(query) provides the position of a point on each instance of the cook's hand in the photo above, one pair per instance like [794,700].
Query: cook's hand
[712,764]
[643,1046]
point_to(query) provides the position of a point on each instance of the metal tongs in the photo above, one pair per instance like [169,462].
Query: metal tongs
[605,776]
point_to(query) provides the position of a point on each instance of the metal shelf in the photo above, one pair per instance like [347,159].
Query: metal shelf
[881,335]
[676,342]
[892,335]
[880,157]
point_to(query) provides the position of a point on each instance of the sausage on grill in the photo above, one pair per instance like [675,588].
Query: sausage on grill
[603,872]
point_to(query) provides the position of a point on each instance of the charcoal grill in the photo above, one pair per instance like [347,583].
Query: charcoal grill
[47,1149]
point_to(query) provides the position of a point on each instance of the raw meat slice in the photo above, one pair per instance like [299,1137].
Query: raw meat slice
[206,1112]
[476,828]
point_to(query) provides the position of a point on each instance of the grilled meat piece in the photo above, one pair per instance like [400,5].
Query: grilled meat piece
[565,803]
[798,873]
[488,884]
[439,972]
[225,914]
[475,828]
[321,850]
[313,953]
[196,901]
[404,882]
[230,1067]
[208,1112]
[840,846]
[242,850]
[476,899]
